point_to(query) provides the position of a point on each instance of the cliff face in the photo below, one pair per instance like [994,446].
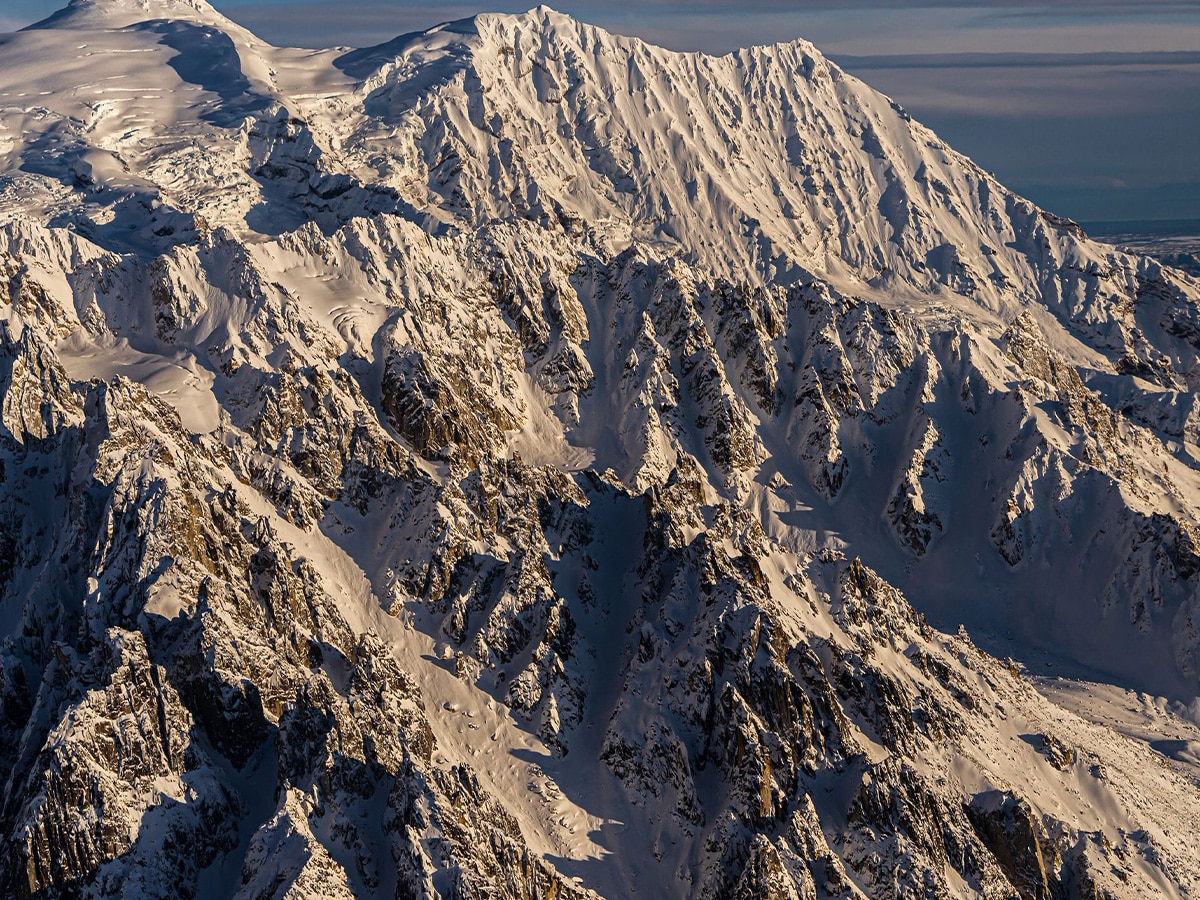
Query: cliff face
[517,461]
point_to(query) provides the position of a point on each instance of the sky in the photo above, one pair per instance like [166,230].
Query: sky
[1091,108]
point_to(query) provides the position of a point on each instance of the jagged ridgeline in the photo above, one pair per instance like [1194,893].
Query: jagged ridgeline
[516,461]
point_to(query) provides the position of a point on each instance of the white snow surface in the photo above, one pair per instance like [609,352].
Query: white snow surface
[346,188]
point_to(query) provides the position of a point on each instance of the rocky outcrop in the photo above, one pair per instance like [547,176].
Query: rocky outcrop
[536,519]
[1008,828]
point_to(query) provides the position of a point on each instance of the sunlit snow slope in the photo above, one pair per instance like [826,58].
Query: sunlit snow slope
[519,461]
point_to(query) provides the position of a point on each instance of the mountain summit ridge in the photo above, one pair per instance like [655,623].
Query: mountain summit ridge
[518,461]
[122,13]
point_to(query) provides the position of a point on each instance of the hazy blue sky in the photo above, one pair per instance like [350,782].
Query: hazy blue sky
[1091,108]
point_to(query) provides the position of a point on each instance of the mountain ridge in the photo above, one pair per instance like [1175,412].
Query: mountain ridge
[411,489]
[85,13]
[1084,319]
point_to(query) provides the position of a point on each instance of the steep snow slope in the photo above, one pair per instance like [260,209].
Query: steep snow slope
[765,162]
[500,462]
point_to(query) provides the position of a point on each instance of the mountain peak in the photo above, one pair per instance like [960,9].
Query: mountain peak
[121,13]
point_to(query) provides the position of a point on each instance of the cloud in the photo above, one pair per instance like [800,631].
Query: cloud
[1072,86]
[718,26]
[1017,60]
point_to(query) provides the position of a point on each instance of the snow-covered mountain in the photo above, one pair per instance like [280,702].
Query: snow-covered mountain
[518,461]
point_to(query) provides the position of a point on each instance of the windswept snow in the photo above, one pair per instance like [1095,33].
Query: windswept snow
[625,399]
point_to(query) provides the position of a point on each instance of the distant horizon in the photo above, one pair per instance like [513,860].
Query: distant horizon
[1090,108]
[1151,237]
[1157,226]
